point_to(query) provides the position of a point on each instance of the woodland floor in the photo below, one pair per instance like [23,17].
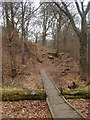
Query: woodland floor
[26,109]
[63,69]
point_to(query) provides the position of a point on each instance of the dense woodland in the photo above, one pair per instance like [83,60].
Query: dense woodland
[50,35]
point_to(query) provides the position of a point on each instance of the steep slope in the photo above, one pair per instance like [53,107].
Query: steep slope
[64,69]
[27,73]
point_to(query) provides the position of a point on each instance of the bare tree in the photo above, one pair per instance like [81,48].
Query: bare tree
[23,6]
[47,16]
[23,17]
[44,23]
[10,33]
[82,34]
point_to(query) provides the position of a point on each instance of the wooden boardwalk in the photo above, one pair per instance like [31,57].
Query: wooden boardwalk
[59,108]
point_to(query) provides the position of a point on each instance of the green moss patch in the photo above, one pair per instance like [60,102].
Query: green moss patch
[87,82]
[76,93]
[22,94]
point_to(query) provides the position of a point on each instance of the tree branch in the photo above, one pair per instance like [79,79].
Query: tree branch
[87,9]
[78,8]
[67,13]
[82,7]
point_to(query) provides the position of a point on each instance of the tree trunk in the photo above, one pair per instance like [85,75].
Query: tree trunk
[12,14]
[83,50]
[44,32]
[58,33]
[10,30]
[36,38]
[89,52]
[54,40]
[45,18]
[44,38]
[58,38]
[23,61]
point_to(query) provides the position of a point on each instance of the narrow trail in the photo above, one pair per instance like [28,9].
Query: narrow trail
[59,108]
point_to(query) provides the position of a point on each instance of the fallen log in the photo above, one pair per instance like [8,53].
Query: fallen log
[22,94]
[76,93]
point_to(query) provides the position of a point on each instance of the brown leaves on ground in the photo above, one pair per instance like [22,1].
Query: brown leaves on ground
[81,105]
[28,77]
[25,109]
[63,69]
[28,74]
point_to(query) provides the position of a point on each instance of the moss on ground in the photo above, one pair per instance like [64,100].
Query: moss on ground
[87,82]
[22,94]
